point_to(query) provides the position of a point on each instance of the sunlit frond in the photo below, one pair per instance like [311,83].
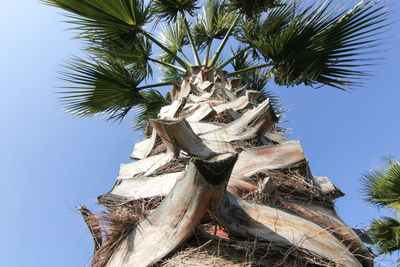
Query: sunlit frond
[132,52]
[97,19]
[170,74]
[385,234]
[381,187]
[318,46]
[153,102]
[213,24]
[174,37]
[103,86]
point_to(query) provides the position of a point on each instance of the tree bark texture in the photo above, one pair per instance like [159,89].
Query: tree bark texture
[214,151]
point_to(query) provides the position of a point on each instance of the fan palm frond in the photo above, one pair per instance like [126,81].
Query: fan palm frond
[241,61]
[170,74]
[381,187]
[213,24]
[174,37]
[252,8]
[153,102]
[320,46]
[169,9]
[104,86]
[385,233]
[133,52]
[97,19]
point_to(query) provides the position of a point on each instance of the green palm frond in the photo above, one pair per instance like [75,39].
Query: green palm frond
[241,61]
[385,233]
[97,19]
[130,52]
[169,9]
[103,86]
[276,20]
[213,24]
[174,37]
[320,46]
[381,187]
[153,102]
[252,8]
[170,74]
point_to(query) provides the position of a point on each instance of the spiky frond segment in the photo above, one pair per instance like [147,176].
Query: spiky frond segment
[213,24]
[153,102]
[169,9]
[170,74]
[135,51]
[385,233]
[98,19]
[381,187]
[317,46]
[252,8]
[174,37]
[103,86]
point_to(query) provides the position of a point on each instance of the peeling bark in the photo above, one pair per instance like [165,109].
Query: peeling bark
[203,112]
[145,166]
[175,218]
[283,156]
[329,220]
[93,224]
[238,104]
[328,187]
[143,149]
[170,111]
[178,135]
[235,122]
[143,187]
[258,221]
[253,123]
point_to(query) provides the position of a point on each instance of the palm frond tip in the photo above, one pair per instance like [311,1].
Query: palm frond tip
[316,45]
[106,87]
[105,19]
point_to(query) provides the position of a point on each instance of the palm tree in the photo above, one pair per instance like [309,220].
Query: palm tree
[215,179]
[381,188]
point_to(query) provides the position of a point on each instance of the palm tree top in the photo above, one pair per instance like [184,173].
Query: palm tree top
[289,42]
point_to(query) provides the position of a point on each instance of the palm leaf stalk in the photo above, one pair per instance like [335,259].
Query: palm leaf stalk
[169,65]
[238,54]
[194,50]
[207,56]
[173,55]
[223,43]
[249,69]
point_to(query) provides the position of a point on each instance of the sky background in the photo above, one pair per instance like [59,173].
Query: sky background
[51,162]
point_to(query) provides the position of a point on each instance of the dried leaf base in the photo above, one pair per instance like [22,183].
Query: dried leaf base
[215,184]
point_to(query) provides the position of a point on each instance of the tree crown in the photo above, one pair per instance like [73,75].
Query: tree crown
[289,42]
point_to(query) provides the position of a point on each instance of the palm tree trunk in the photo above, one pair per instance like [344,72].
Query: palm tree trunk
[218,172]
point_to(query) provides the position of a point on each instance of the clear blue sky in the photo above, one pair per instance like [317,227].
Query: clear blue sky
[50,162]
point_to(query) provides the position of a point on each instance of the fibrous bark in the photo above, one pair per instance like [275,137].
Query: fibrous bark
[215,151]
[176,217]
